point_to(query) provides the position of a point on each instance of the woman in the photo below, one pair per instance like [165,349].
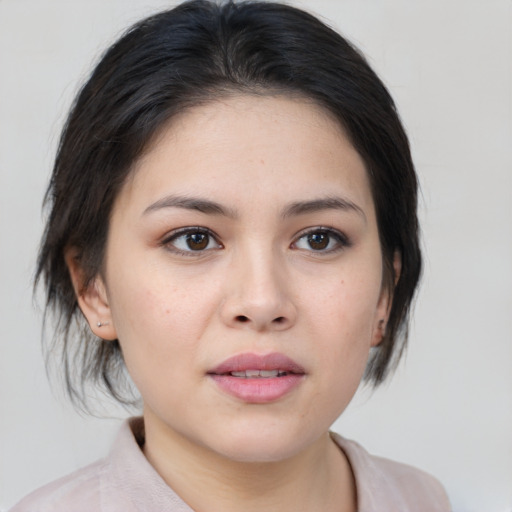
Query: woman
[233,220]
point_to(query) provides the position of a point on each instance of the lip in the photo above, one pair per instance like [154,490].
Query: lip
[258,390]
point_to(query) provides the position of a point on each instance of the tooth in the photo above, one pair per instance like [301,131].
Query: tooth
[269,373]
[254,374]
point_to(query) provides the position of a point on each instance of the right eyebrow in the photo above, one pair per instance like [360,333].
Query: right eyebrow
[191,203]
[327,203]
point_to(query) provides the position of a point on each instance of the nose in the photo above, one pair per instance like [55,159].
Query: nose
[258,295]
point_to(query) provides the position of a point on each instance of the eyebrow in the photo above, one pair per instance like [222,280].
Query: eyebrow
[191,203]
[328,203]
[294,209]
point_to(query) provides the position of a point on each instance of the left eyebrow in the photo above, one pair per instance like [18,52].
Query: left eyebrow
[191,203]
[316,205]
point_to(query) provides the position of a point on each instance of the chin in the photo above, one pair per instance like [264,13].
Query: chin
[262,444]
[259,453]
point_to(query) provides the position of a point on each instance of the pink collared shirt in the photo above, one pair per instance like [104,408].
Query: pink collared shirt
[126,482]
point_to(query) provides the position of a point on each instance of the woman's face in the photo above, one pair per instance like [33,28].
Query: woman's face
[243,277]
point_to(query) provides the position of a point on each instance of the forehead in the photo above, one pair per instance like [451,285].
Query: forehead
[286,145]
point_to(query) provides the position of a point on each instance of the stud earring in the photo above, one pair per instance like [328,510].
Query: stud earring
[101,324]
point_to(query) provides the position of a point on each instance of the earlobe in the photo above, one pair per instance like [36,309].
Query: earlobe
[397,266]
[385,302]
[379,332]
[92,298]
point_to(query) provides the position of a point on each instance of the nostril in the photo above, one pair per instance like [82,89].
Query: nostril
[279,320]
[242,318]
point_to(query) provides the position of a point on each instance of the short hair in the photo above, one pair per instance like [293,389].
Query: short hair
[192,54]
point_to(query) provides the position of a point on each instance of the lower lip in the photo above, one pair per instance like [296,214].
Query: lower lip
[259,390]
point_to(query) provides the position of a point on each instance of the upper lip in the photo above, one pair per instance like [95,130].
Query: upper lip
[249,361]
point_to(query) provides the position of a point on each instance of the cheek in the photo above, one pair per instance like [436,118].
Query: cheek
[155,333]
[342,323]
[160,316]
[343,320]
[348,304]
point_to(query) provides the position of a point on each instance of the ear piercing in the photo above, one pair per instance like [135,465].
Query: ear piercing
[101,324]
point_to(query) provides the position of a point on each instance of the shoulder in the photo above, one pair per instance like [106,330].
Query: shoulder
[402,488]
[122,482]
[77,492]
[97,487]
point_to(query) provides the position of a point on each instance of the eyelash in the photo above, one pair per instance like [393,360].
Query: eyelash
[341,239]
[183,232]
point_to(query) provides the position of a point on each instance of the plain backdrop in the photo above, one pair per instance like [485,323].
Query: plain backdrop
[448,63]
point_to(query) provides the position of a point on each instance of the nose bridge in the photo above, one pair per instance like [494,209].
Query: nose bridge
[261,275]
[258,294]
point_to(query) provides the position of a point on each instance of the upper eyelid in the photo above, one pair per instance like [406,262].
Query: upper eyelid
[343,240]
[175,233]
[313,229]
[168,239]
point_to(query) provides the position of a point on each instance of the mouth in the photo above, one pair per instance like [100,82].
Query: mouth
[259,374]
[258,379]
[250,365]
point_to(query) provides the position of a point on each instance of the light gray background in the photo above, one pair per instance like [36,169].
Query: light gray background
[448,63]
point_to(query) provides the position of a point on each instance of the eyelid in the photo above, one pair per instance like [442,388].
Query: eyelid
[342,239]
[177,233]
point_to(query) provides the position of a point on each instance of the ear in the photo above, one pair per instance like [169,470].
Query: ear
[92,298]
[385,302]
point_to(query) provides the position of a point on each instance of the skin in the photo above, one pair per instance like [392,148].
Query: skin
[258,286]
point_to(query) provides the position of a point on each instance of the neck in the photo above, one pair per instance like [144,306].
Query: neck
[317,478]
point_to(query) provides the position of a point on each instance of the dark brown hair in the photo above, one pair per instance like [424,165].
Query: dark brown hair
[183,57]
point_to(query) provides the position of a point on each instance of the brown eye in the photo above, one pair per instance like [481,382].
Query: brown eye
[187,241]
[197,241]
[318,241]
[322,240]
